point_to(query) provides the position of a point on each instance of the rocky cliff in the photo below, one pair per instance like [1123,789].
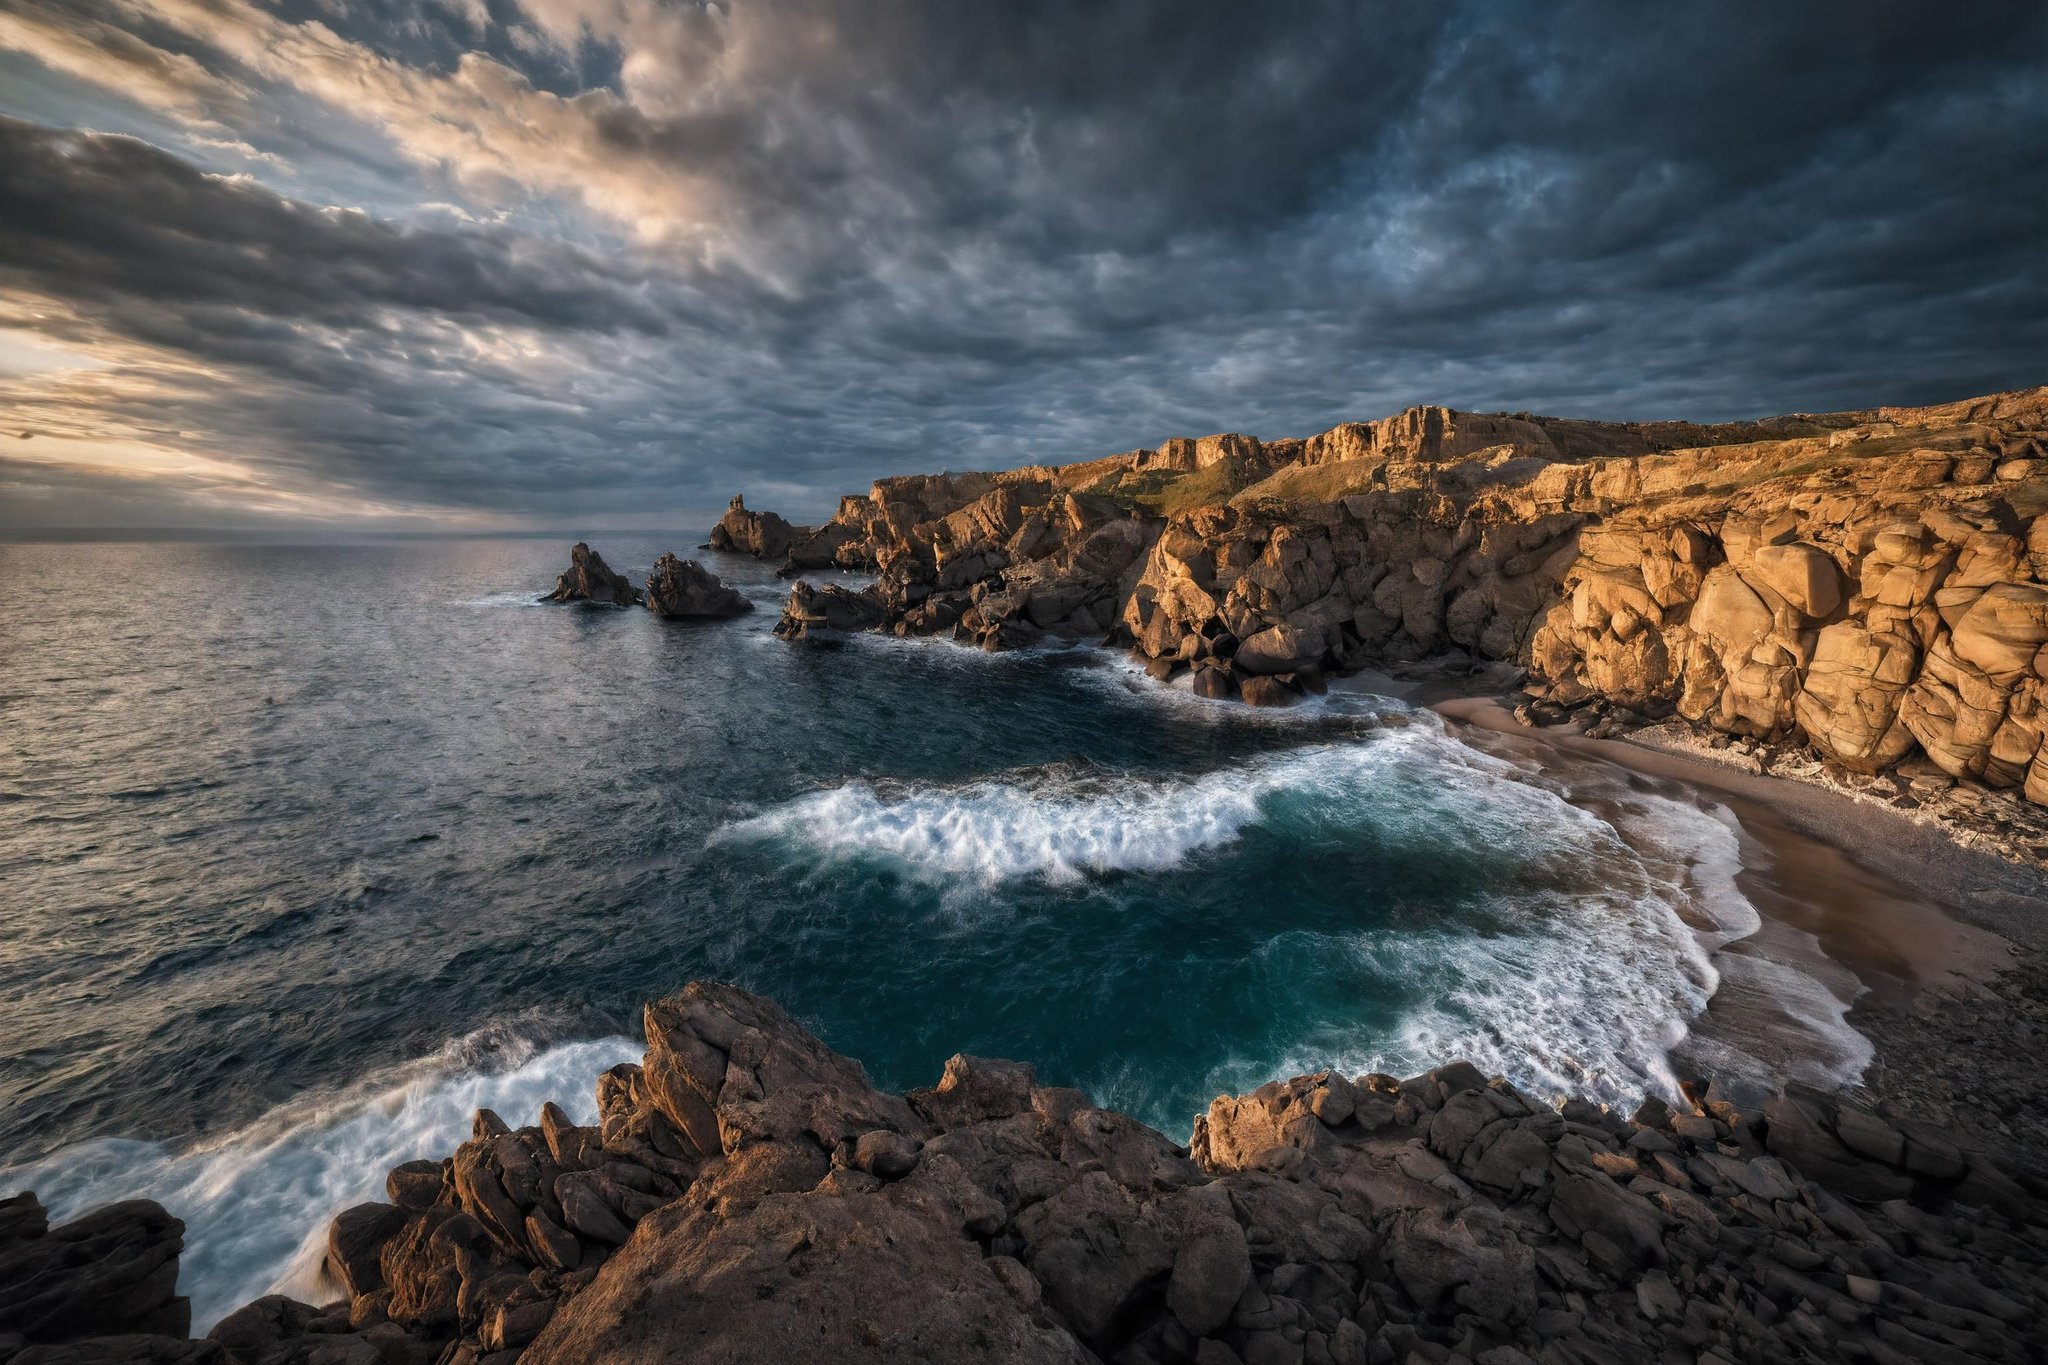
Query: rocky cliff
[1870,585]
[748,1196]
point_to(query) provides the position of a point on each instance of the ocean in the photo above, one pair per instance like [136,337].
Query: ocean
[308,851]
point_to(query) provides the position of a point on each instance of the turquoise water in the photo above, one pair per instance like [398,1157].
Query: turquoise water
[309,850]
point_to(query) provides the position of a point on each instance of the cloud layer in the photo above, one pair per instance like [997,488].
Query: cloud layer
[571,262]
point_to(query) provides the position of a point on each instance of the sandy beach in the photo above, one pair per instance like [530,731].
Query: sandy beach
[1939,946]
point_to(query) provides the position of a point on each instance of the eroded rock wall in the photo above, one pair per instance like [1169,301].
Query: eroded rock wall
[1872,584]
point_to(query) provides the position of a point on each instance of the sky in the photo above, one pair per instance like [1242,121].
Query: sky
[524,264]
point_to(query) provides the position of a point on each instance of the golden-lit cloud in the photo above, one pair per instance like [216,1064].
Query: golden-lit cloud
[543,259]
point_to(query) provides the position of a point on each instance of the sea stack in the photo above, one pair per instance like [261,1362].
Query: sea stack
[589,579]
[684,590]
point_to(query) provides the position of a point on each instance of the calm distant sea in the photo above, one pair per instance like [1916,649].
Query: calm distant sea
[305,852]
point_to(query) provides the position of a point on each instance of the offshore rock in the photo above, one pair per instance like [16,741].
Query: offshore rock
[772,1204]
[812,610]
[590,579]
[683,589]
[764,535]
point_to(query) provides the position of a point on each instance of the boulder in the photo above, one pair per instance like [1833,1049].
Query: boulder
[683,589]
[112,1270]
[1803,575]
[1261,690]
[2003,629]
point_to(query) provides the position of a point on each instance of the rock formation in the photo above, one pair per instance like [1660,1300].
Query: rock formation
[590,579]
[1872,585]
[683,589]
[764,535]
[112,1271]
[748,1196]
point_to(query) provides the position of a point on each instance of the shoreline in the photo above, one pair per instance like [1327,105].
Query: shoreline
[1943,942]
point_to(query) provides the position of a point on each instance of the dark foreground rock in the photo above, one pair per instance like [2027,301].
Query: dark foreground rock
[113,1271]
[748,1196]
[589,579]
[683,589]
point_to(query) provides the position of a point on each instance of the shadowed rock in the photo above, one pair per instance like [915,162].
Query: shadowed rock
[748,1195]
[683,589]
[590,579]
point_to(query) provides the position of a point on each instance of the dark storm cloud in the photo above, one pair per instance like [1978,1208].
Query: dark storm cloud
[795,246]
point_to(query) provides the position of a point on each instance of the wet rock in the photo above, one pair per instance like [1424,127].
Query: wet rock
[1260,690]
[110,1271]
[794,1211]
[590,579]
[683,589]
[355,1245]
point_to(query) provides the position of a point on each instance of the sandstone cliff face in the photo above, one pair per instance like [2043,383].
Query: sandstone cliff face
[748,1196]
[1872,584]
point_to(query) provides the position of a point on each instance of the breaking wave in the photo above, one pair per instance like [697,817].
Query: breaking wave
[1577,969]
[256,1201]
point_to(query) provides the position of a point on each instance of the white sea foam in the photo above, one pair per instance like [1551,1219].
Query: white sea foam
[1615,927]
[524,598]
[256,1201]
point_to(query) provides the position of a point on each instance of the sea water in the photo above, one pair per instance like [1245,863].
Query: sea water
[308,851]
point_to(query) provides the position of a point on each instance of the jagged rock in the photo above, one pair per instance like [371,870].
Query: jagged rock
[765,535]
[683,589]
[110,1271]
[761,534]
[1800,579]
[811,609]
[794,1211]
[590,579]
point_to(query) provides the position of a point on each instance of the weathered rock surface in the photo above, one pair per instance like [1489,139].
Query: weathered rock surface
[1870,585]
[683,589]
[590,579]
[765,535]
[748,1196]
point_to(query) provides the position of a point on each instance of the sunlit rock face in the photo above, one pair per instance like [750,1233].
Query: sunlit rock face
[1873,584]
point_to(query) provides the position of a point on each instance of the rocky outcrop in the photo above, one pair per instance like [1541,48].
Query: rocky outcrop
[590,579]
[683,589]
[112,1272]
[828,609]
[764,535]
[1870,585]
[748,1195]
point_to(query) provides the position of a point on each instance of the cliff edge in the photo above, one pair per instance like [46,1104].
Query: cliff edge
[748,1196]
[1870,588]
